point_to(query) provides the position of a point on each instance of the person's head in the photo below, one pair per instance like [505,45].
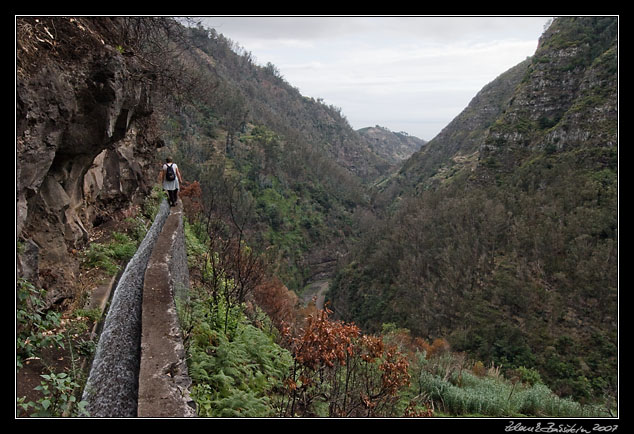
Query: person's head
[168,159]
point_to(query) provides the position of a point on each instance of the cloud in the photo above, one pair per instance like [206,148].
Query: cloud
[399,72]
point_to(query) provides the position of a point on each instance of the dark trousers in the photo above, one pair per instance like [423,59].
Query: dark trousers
[172,196]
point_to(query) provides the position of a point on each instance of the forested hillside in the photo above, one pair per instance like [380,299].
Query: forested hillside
[395,147]
[503,235]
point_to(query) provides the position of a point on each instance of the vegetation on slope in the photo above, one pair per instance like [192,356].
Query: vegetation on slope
[509,248]
[258,352]
[294,165]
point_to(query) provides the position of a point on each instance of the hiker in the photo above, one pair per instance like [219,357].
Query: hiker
[171,178]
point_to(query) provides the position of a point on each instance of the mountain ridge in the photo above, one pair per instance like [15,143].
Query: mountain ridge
[395,147]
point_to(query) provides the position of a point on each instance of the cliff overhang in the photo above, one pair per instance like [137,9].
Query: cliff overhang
[85,141]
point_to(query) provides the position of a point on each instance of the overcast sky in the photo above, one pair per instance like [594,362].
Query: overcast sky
[412,74]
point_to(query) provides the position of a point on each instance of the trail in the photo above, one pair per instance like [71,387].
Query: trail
[318,291]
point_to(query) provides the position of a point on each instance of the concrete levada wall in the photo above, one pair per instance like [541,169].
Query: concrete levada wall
[112,386]
[164,382]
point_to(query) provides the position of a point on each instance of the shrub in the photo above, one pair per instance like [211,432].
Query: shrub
[108,256]
[32,321]
[528,375]
[57,399]
[478,369]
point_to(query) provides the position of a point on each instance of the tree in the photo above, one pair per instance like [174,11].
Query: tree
[280,304]
[339,369]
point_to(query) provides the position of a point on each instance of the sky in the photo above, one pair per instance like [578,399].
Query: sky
[411,74]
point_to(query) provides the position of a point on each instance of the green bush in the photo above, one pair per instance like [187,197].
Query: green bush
[32,321]
[108,256]
[58,398]
[528,375]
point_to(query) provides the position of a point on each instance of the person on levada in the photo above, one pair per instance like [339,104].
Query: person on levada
[171,179]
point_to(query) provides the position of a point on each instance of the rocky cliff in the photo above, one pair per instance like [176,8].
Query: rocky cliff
[85,140]
[568,97]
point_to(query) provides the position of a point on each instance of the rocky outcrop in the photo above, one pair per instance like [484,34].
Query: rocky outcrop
[571,83]
[84,140]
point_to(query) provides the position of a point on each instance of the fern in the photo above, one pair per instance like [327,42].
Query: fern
[233,374]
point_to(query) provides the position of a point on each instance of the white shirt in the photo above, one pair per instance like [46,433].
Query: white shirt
[170,185]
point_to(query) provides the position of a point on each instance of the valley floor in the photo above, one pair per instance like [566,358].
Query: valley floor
[316,290]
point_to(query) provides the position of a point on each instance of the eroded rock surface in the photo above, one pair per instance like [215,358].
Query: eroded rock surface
[84,142]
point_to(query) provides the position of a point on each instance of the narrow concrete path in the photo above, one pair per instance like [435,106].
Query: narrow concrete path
[163,379]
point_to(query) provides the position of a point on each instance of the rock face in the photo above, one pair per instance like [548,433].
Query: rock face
[571,83]
[84,139]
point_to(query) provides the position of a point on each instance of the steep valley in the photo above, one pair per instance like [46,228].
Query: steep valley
[497,238]
[485,245]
